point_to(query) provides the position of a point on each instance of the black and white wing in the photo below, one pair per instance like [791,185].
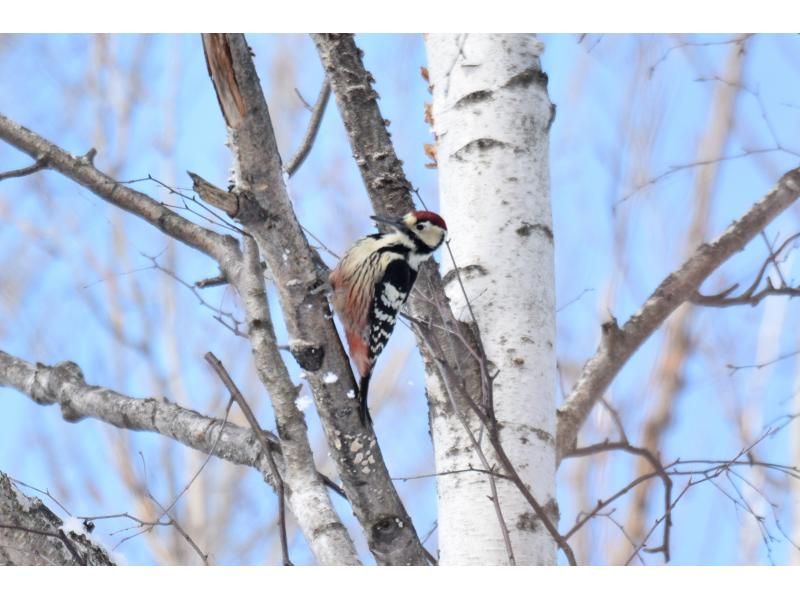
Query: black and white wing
[391,293]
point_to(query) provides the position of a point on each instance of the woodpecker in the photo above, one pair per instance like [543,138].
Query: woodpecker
[372,282]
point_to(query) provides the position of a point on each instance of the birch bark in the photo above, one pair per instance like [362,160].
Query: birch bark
[491,116]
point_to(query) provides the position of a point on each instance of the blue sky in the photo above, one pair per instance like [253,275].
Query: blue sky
[75,272]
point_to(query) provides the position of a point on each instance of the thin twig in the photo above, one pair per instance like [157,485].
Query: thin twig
[612,411]
[427,536]
[773,255]
[424,476]
[489,420]
[736,40]
[483,361]
[205,461]
[305,103]
[148,527]
[659,471]
[40,164]
[237,396]
[174,522]
[43,492]
[313,128]
[658,521]
[691,165]
[750,296]
[225,318]
[210,215]
[575,300]
[758,366]
[623,531]
[479,451]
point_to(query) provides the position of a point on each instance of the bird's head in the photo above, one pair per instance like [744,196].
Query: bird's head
[428,228]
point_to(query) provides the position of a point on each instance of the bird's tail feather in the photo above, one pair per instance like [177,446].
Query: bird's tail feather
[363,389]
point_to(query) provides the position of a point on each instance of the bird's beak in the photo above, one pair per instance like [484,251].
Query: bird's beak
[395,222]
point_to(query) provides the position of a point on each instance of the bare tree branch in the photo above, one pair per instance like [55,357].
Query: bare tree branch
[237,396]
[450,348]
[658,470]
[226,318]
[390,193]
[64,385]
[20,172]
[702,469]
[311,504]
[145,527]
[751,299]
[618,344]
[82,171]
[750,296]
[313,128]
[381,169]
[265,208]
[181,531]
[738,40]
[758,366]
[678,342]
[225,250]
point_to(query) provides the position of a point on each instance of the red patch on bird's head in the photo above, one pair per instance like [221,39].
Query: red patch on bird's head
[432,217]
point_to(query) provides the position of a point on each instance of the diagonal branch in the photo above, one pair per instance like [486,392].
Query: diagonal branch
[237,396]
[311,133]
[264,209]
[446,343]
[390,193]
[618,344]
[82,171]
[325,533]
[750,296]
[311,504]
[381,169]
[40,164]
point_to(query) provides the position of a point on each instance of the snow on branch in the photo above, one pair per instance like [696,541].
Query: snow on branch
[31,534]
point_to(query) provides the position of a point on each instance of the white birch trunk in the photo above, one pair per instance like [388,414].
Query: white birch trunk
[491,118]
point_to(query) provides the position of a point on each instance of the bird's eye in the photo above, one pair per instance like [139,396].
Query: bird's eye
[420,226]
